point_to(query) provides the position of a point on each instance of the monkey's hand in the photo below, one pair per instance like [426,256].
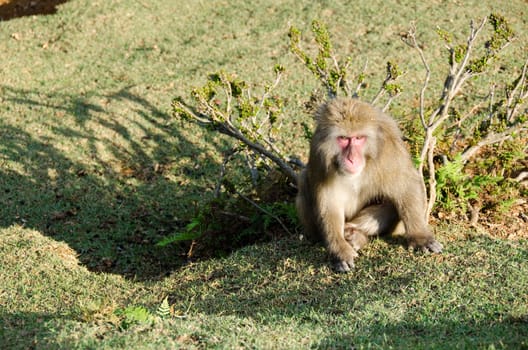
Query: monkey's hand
[344,261]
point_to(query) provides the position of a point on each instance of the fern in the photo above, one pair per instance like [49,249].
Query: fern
[193,230]
[456,188]
[135,315]
[163,310]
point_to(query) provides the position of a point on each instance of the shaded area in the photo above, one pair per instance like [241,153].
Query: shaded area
[112,195]
[32,330]
[10,9]
[112,175]
[384,302]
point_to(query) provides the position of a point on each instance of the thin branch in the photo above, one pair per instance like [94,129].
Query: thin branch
[432,177]
[229,95]
[458,75]
[458,80]
[381,90]
[229,129]
[454,81]
[414,44]
[389,101]
[228,156]
[360,83]
[250,162]
[491,139]
[521,96]
[273,216]
[267,92]
[344,82]
[491,102]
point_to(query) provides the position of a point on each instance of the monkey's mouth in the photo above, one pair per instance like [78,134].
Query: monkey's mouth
[352,165]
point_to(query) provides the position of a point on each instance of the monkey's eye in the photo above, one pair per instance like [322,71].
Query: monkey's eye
[356,140]
[343,141]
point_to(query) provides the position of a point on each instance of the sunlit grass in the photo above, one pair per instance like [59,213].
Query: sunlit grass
[94,171]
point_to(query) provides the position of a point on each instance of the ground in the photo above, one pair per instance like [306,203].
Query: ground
[18,8]
[95,170]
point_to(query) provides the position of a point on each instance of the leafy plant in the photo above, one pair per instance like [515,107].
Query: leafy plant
[452,132]
[229,105]
[455,188]
[469,126]
[333,73]
[135,315]
[193,230]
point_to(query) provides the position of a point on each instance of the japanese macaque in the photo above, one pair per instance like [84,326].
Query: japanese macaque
[360,182]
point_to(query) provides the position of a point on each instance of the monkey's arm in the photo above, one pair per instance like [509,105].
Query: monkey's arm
[411,209]
[333,228]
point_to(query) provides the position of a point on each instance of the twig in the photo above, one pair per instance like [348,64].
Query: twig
[273,216]
[432,178]
[225,126]
[229,155]
[522,95]
[362,74]
[454,81]
[414,44]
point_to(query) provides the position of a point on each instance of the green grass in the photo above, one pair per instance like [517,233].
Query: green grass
[275,295]
[94,171]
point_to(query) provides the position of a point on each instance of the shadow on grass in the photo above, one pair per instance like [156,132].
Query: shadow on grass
[19,8]
[86,176]
[395,298]
[31,330]
[510,333]
[388,302]
[271,286]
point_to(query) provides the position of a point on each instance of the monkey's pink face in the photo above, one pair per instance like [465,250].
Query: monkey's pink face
[352,152]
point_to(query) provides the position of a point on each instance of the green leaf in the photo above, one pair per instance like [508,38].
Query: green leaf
[163,310]
[134,315]
[179,237]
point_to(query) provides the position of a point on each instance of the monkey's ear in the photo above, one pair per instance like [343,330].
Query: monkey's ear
[380,138]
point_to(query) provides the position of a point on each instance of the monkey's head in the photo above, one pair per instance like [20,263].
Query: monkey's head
[349,134]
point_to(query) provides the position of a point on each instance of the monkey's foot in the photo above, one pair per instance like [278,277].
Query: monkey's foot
[432,246]
[343,266]
[356,238]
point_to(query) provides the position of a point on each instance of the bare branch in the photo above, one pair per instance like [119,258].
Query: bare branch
[517,94]
[432,177]
[492,139]
[414,44]
[228,156]
[457,76]
[459,79]
[229,129]
[360,80]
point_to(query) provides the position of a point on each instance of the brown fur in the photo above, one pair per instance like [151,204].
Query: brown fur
[343,209]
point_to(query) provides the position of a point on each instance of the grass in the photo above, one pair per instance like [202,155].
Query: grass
[94,171]
[275,295]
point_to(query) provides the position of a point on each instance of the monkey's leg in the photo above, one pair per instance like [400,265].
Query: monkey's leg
[373,220]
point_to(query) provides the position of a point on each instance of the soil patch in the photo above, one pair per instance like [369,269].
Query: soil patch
[10,9]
